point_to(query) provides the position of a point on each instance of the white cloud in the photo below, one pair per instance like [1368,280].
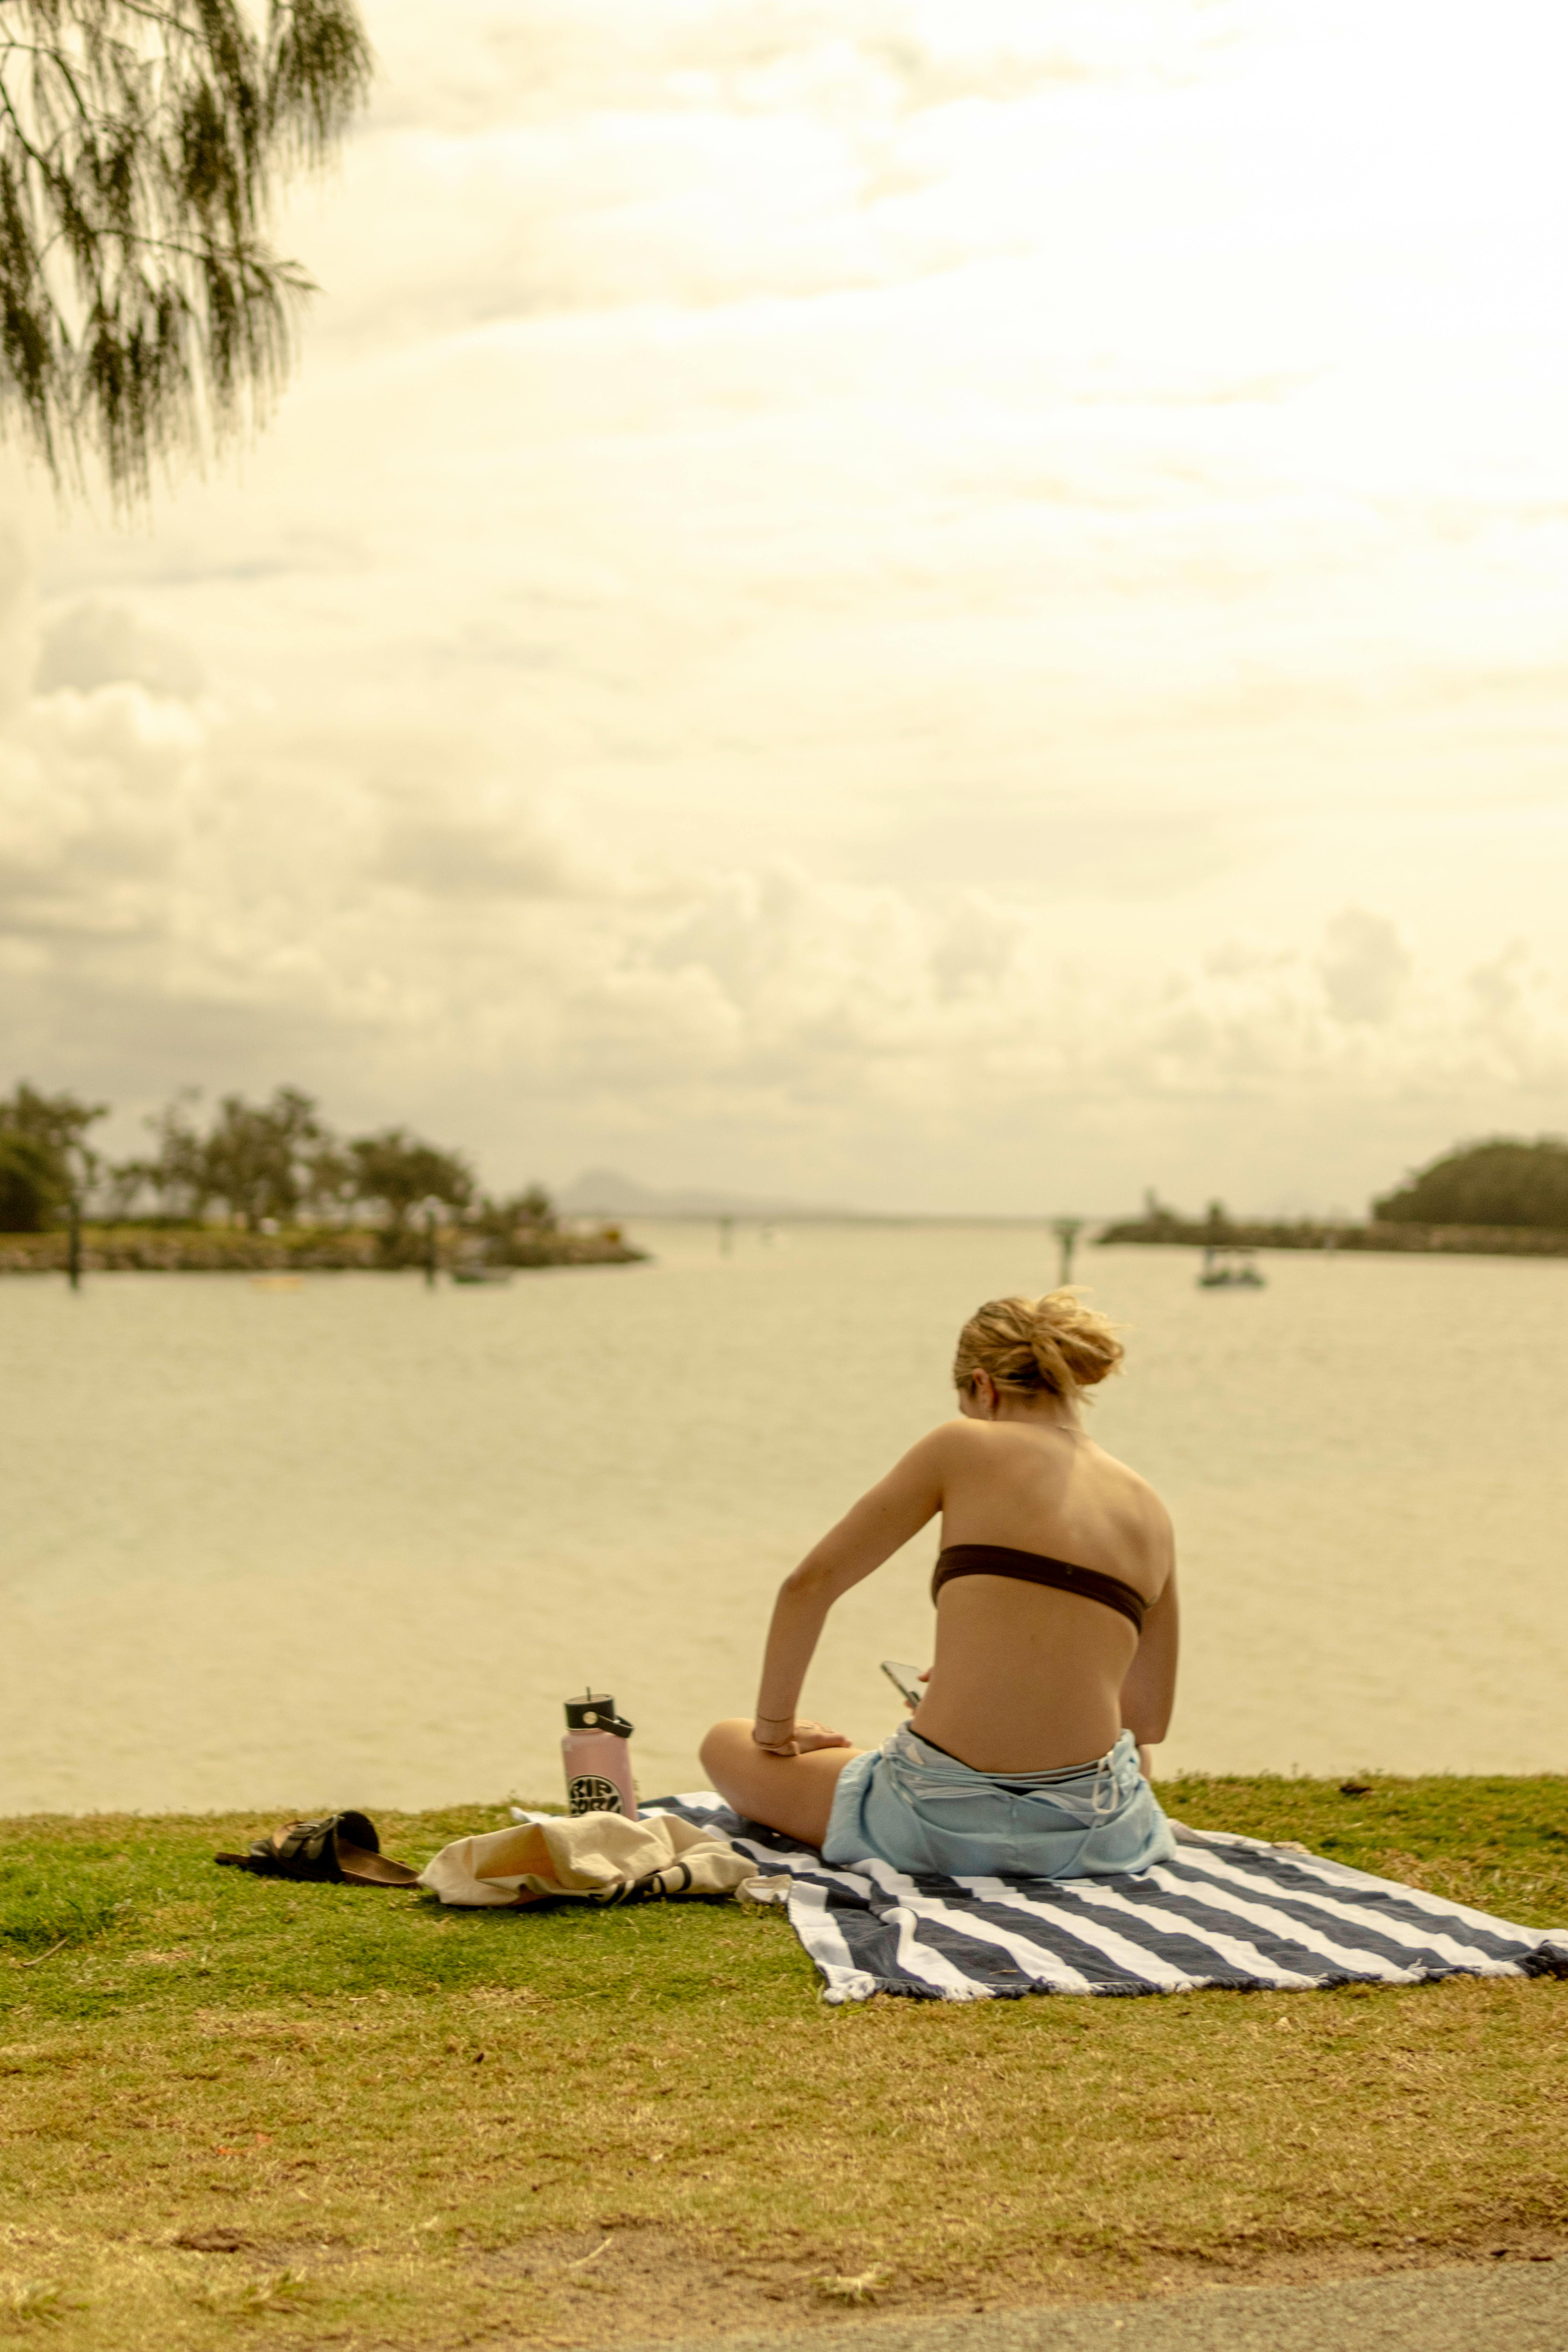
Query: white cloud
[210,886]
[1365,966]
[97,643]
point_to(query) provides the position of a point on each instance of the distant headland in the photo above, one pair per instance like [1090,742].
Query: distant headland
[1501,1197]
[263,1187]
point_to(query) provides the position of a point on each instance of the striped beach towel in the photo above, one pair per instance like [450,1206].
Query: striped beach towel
[1228,1911]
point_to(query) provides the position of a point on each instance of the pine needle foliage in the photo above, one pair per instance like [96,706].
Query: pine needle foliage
[143,310]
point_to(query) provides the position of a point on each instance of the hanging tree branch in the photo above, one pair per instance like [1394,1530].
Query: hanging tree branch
[143,308]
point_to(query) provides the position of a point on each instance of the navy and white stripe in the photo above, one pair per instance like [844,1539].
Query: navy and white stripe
[1227,1911]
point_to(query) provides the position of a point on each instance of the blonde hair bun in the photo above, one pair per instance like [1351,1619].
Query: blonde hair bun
[1054,1345]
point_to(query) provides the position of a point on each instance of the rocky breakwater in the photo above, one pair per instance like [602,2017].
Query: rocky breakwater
[218,1249]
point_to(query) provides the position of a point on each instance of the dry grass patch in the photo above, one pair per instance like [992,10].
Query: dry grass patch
[229,2107]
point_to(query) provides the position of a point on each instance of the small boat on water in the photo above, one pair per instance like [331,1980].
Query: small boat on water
[1226,1268]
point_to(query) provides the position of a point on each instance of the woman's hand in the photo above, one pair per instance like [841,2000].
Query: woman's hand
[784,1737]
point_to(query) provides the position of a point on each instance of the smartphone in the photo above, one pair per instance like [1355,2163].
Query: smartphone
[905,1680]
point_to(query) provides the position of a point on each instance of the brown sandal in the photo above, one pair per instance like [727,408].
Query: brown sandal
[340,1850]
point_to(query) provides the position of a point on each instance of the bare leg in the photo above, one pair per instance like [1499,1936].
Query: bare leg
[793,1794]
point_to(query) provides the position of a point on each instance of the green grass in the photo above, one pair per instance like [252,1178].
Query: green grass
[329,2115]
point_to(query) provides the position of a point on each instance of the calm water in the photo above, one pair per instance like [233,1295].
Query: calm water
[355,1543]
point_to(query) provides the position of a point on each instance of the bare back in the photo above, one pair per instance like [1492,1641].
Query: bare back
[1025,1677]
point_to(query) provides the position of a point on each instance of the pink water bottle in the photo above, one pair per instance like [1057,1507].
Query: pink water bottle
[599,1761]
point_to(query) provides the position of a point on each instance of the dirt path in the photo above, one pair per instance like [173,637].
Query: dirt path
[1521,2305]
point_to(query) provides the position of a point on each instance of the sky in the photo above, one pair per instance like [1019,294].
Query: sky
[955,608]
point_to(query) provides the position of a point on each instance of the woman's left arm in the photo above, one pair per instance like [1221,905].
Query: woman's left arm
[1149,1688]
[894,1509]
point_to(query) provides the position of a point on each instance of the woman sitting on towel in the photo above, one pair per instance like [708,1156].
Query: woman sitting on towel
[1056,1636]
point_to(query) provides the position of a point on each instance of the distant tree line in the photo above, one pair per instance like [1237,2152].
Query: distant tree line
[263,1165]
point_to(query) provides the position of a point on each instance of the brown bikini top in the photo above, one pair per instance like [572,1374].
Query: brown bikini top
[1037,1567]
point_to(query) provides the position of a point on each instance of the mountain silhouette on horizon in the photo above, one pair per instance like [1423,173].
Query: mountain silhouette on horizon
[604,1191]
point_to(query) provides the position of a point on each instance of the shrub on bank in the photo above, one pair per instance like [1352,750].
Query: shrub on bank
[1502,1182]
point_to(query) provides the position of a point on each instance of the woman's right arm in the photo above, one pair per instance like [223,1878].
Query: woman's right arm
[883,1520]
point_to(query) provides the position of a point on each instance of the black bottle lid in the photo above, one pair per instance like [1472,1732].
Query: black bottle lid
[595,1711]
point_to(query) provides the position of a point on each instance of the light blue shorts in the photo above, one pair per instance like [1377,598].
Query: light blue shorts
[908,1803]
